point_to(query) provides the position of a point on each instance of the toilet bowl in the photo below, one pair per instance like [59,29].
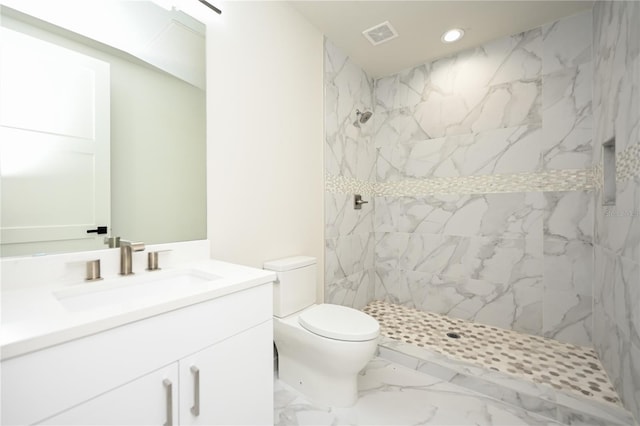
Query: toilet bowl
[321,347]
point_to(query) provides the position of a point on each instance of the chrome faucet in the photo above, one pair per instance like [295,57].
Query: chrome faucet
[126,250]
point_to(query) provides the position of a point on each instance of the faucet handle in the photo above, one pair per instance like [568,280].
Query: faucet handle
[112,241]
[152,260]
[93,270]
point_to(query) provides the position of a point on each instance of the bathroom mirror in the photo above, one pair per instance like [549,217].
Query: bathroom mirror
[152,185]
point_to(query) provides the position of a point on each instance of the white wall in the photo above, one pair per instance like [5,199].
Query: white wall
[265,131]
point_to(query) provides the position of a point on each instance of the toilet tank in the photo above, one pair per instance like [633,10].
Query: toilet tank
[295,288]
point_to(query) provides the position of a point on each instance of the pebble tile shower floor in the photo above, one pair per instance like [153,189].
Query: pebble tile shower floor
[560,365]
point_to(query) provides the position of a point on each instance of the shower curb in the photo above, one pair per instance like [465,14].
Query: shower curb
[555,404]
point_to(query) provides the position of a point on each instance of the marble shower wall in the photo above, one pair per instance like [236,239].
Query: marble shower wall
[501,254]
[350,157]
[616,106]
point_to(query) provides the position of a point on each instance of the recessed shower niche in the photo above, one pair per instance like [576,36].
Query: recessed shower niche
[609,172]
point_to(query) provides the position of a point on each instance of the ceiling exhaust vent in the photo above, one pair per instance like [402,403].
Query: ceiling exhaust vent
[380,33]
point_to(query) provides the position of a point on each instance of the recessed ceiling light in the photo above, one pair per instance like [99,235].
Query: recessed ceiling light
[452,35]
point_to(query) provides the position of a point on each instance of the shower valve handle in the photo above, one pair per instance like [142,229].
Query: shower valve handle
[358,202]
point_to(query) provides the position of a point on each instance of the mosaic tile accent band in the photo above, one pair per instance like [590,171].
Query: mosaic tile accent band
[551,180]
[560,365]
[627,167]
[597,176]
[546,181]
[346,185]
[628,163]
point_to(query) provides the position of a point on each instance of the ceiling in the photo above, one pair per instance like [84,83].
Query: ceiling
[420,25]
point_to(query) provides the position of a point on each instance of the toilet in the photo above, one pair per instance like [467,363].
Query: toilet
[321,347]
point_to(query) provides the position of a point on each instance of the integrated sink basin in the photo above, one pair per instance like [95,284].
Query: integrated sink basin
[146,288]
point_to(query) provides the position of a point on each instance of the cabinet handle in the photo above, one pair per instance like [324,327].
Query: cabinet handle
[195,410]
[168,388]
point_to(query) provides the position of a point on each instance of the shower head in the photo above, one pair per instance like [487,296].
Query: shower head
[365,116]
[362,117]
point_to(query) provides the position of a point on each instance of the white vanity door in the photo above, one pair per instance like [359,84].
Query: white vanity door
[149,400]
[235,382]
[54,145]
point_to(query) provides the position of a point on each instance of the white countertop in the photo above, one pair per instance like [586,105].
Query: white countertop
[34,318]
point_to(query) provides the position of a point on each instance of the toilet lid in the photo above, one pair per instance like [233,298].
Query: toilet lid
[340,323]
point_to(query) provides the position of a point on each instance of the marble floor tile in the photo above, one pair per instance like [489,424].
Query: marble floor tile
[391,394]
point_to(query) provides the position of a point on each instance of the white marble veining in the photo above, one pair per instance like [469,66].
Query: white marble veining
[618,227]
[475,110]
[497,281]
[616,109]
[348,255]
[468,219]
[567,297]
[341,219]
[396,127]
[496,85]
[567,119]
[506,150]
[350,156]
[569,216]
[567,93]
[517,215]
[568,261]
[485,168]
[391,394]
[354,290]
[557,403]
[480,257]
[616,329]
[616,79]
[567,42]
[500,61]
[348,149]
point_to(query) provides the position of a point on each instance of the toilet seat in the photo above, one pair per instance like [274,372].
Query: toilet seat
[339,322]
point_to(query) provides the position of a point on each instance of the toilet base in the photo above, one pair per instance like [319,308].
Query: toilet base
[332,391]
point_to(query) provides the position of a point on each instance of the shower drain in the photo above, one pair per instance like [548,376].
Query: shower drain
[453,335]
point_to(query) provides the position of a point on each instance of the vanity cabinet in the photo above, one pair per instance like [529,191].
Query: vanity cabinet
[143,401]
[219,383]
[122,375]
[215,386]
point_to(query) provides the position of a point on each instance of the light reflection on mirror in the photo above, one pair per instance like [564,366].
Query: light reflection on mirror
[27,157]
[157,137]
